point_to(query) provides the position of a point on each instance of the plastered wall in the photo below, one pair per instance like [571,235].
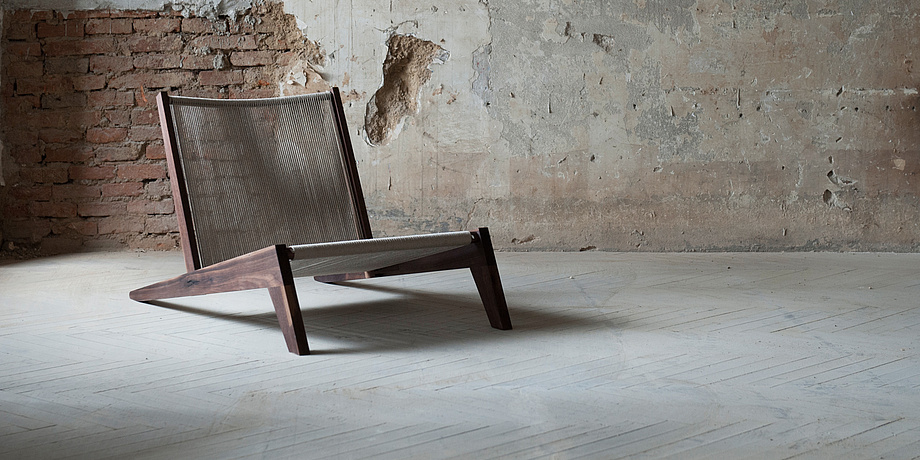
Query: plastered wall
[628,125]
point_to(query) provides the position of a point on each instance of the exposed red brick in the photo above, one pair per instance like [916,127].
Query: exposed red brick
[220,77]
[76,65]
[89,14]
[158,189]
[71,47]
[31,230]
[109,26]
[100,64]
[26,155]
[48,174]
[143,133]
[31,192]
[64,29]
[145,117]
[22,104]
[155,152]
[151,80]
[61,118]
[101,209]
[165,242]
[120,224]
[19,30]
[83,227]
[158,61]
[226,42]
[92,172]
[21,137]
[197,62]
[144,99]
[144,13]
[110,98]
[197,26]
[161,224]
[53,209]
[149,44]
[59,136]
[251,58]
[53,84]
[25,69]
[71,191]
[61,101]
[41,15]
[117,117]
[106,135]
[141,171]
[60,245]
[32,49]
[151,207]
[14,211]
[257,93]
[157,25]
[117,153]
[69,154]
[43,29]
[123,189]
[210,92]
[88,82]
[273,42]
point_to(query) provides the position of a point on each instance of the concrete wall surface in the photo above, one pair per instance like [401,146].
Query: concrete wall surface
[628,124]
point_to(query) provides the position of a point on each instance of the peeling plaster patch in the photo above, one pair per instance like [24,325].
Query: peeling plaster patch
[405,70]
[303,73]
[211,9]
[303,78]
[482,86]
[605,41]
[840,181]
[832,199]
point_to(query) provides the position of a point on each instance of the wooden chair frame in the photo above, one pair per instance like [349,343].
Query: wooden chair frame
[270,267]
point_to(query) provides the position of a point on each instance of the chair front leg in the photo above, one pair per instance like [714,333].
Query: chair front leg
[287,308]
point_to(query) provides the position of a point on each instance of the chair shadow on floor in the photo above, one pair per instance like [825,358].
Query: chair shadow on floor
[410,319]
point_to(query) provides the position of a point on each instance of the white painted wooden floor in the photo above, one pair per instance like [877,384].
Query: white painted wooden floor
[612,356]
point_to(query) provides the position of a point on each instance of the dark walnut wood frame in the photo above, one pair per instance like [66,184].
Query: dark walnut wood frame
[270,267]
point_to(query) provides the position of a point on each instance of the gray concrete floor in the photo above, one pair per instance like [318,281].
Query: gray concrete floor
[612,355]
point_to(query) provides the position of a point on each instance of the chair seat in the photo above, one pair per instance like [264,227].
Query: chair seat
[370,254]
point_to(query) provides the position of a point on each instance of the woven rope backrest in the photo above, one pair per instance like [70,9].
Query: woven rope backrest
[260,172]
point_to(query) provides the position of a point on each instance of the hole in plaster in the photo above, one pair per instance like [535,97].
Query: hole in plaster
[405,70]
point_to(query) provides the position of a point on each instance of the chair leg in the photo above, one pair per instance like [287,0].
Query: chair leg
[489,283]
[493,297]
[288,310]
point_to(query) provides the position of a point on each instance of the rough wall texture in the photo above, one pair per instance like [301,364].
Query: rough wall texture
[651,125]
[85,165]
[405,70]
[560,124]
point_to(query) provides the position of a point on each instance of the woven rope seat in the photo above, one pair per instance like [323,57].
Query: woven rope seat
[267,190]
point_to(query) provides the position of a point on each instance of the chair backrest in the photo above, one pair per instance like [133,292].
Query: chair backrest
[250,173]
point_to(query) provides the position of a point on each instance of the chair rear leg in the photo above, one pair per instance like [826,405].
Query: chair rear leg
[489,283]
[287,308]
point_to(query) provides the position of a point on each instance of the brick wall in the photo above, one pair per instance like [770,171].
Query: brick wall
[84,160]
